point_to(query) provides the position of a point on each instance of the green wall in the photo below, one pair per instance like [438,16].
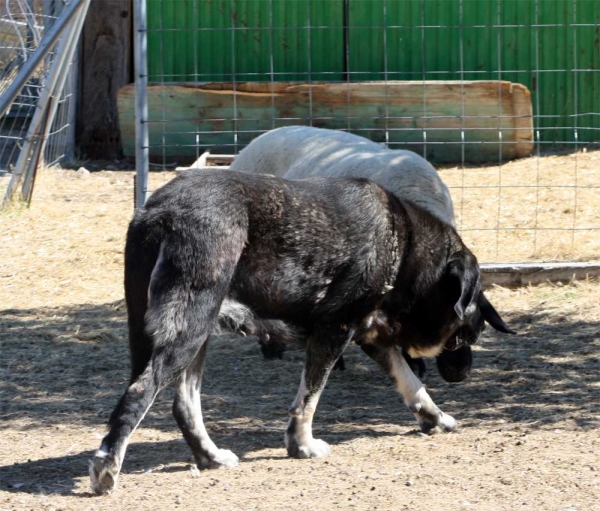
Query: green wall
[551,46]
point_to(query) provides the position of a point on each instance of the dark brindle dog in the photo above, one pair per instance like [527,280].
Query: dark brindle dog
[328,260]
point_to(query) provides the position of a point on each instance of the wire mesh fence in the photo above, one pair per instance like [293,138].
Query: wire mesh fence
[23,25]
[469,84]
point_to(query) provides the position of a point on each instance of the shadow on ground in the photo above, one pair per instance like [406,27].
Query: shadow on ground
[69,365]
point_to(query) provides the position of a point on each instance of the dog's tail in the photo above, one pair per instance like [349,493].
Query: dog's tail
[141,257]
[140,260]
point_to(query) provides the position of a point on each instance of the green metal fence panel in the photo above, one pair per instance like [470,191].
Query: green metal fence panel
[245,40]
[551,46]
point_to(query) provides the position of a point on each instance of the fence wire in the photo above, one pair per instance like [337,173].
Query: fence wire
[23,24]
[525,183]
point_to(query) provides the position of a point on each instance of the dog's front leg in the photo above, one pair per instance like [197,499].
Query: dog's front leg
[430,418]
[324,347]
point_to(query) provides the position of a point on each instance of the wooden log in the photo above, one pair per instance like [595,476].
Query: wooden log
[106,60]
[523,274]
[494,117]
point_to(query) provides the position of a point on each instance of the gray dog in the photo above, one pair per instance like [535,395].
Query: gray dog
[335,260]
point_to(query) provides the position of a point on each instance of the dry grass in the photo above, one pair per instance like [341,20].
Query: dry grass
[522,199]
[72,239]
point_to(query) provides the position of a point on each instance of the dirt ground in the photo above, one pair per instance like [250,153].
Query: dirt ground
[529,416]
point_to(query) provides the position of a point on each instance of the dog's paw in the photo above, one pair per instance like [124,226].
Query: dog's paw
[436,421]
[104,472]
[430,418]
[222,458]
[310,449]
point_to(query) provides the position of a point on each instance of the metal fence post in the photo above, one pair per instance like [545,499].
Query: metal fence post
[141,101]
[46,44]
[63,60]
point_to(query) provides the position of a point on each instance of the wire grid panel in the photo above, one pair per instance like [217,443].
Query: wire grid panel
[541,208]
[22,26]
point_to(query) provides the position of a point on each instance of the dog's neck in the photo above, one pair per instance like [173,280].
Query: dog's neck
[423,244]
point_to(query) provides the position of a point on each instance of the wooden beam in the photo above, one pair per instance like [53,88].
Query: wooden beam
[523,274]
[220,160]
[214,116]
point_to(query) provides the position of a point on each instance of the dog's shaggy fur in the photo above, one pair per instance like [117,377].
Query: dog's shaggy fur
[301,152]
[327,260]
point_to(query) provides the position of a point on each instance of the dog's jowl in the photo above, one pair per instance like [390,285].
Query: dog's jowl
[327,260]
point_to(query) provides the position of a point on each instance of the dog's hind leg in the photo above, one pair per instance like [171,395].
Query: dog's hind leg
[181,314]
[430,418]
[140,262]
[187,411]
[323,350]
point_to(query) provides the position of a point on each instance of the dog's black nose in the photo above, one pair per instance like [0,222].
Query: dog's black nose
[455,366]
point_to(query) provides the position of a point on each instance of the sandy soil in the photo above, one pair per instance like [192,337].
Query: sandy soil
[529,416]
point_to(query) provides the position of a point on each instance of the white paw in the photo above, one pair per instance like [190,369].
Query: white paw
[435,422]
[310,449]
[220,459]
[104,472]
[447,422]
[430,418]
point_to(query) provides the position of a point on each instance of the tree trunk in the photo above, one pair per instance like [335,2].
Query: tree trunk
[106,65]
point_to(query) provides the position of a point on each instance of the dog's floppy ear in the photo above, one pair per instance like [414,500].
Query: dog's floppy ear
[464,267]
[491,315]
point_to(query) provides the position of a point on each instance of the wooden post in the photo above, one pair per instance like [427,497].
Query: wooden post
[106,65]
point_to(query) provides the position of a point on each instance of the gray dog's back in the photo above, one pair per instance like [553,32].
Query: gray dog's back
[300,152]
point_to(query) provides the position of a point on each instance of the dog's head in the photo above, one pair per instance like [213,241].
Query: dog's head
[446,309]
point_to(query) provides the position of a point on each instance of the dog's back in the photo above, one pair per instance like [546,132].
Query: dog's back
[291,251]
[298,247]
